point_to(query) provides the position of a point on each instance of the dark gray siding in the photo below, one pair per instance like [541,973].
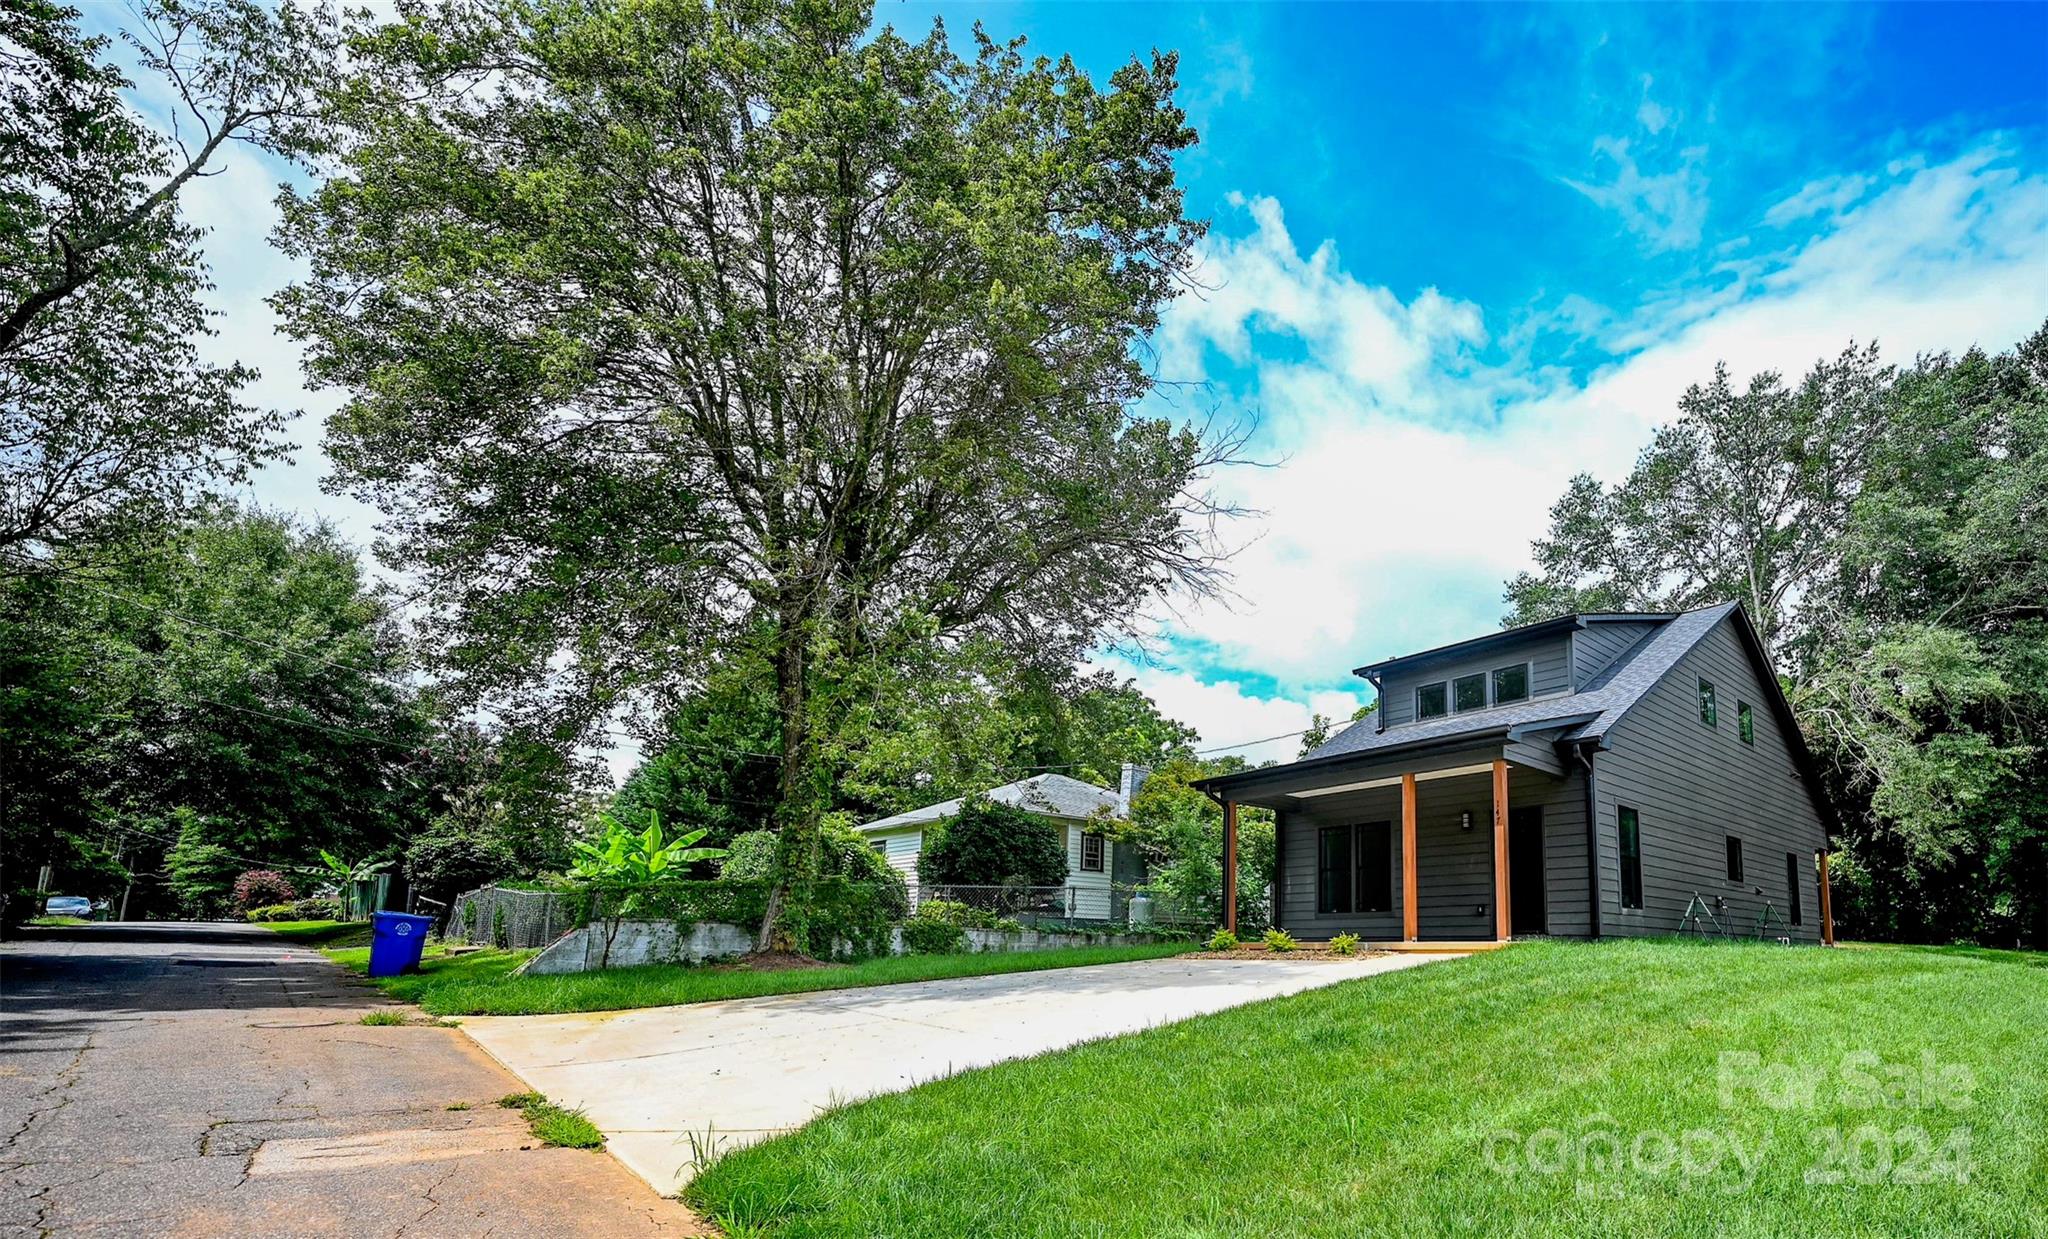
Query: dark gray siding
[1455,875]
[1549,673]
[1692,786]
[1597,645]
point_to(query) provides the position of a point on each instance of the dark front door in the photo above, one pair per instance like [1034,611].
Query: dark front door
[1526,912]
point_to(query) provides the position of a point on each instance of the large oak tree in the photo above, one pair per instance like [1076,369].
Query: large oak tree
[665,324]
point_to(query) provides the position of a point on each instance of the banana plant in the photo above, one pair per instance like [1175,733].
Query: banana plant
[347,875]
[626,856]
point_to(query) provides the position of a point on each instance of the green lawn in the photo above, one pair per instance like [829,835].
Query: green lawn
[480,982]
[1475,1097]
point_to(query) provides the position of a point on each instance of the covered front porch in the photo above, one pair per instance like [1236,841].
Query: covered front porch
[1421,850]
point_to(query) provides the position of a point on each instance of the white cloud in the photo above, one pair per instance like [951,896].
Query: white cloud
[1668,210]
[1827,194]
[1227,716]
[1416,474]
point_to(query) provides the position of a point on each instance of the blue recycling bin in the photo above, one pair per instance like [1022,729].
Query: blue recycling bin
[396,941]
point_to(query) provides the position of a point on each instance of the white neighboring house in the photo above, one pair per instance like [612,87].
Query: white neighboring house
[1074,808]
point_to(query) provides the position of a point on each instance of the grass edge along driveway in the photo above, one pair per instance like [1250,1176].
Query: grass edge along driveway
[1477,1098]
[480,982]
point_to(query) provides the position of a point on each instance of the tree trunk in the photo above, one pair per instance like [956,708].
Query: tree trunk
[784,923]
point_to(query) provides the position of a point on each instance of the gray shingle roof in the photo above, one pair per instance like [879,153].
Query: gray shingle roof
[1608,697]
[1055,795]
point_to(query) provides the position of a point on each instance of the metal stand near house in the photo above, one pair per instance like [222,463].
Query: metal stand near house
[1579,777]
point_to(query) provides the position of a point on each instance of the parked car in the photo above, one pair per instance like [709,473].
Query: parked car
[68,905]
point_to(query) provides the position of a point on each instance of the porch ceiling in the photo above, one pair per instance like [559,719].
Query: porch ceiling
[1303,788]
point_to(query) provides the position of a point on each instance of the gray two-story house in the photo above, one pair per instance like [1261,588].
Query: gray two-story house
[1587,776]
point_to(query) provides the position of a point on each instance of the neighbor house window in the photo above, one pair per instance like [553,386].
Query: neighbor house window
[1631,859]
[1376,867]
[1091,853]
[1734,859]
[1792,883]
[1333,869]
[880,845]
[1745,722]
[1511,684]
[1708,714]
[1468,692]
[1430,701]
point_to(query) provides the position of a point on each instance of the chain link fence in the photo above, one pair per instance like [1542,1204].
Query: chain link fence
[512,919]
[1014,902]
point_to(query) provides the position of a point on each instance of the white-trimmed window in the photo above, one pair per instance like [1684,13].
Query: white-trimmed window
[1091,853]
[880,845]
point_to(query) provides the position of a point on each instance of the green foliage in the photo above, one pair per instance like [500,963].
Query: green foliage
[1344,944]
[932,935]
[447,861]
[1883,529]
[953,912]
[382,1019]
[116,424]
[1320,729]
[552,1124]
[545,380]
[1280,940]
[274,912]
[627,857]
[1221,940]
[750,858]
[987,844]
[1179,831]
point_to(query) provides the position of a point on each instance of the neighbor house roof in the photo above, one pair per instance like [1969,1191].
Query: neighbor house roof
[1054,795]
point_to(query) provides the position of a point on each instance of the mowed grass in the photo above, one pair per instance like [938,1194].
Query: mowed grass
[481,982]
[1552,1088]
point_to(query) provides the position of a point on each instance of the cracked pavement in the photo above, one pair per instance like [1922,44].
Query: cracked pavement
[211,1079]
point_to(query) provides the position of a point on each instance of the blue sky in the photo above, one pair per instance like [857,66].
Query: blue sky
[1462,252]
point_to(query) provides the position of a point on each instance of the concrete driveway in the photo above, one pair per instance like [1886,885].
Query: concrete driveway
[666,1081]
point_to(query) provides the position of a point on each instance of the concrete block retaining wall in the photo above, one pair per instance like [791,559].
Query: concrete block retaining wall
[657,942]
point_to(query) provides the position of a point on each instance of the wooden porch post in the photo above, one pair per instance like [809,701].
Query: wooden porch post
[1502,922]
[1408,857]
[1827,907]
[1230,866]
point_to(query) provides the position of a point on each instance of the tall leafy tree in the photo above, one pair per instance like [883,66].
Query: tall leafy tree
[1883,528]
[1744,495]
[665,323]
[109,417]
[234,698]
[1924,671]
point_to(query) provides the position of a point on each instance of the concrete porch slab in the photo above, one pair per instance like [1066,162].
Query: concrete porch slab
[668,1083]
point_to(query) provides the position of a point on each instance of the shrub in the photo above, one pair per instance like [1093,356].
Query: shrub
[988,844]
[444,863]
[843,854]
[316,908]
[1344,944]
[258,888]
[749,857]
[932,935]
[1280,940]
[1222,940]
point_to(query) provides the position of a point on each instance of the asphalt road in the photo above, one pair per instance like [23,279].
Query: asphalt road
[177,1079]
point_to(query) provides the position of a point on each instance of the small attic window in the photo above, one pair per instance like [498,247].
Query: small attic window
[1432,701]
[1468,692]
[1511,684]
